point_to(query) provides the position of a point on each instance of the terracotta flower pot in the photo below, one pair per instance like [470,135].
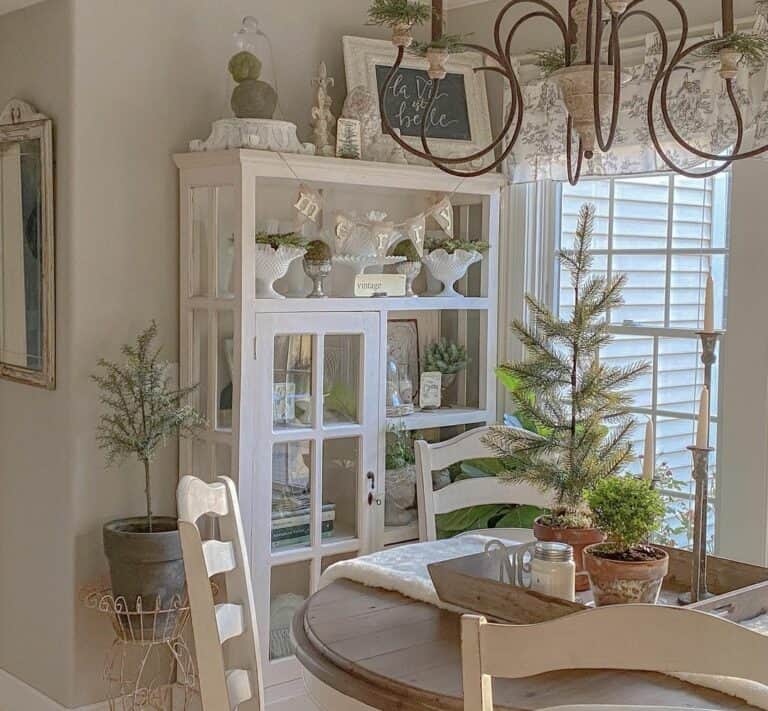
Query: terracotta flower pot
[616,582]
[578,538]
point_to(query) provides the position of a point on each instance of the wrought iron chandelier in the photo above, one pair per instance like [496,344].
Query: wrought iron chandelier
[590,81]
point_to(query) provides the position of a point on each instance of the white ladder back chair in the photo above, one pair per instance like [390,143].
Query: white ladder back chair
[230,675]
[469,492]
[624,637]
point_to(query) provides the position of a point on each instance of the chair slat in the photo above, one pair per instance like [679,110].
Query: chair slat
[238,687]
[229,619]
[219,557]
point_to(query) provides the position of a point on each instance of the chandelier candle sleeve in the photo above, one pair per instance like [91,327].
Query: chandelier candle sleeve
[702,432]
[649,454]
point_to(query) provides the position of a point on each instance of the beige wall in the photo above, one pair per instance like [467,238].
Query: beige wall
[36,427]
[128,84]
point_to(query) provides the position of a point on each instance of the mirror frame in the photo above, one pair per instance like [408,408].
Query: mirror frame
[21,121]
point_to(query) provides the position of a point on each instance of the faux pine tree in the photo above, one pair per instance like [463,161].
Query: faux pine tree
[577,404]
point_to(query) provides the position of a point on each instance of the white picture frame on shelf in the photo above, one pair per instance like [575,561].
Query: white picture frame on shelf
[367,60]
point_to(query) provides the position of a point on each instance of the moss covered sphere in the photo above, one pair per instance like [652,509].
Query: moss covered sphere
[244,65]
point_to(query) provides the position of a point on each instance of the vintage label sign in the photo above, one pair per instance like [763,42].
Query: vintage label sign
[380,285]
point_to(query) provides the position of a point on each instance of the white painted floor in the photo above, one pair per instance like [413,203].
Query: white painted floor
[298,703]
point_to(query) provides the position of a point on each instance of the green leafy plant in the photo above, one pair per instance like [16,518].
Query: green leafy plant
[629,510]
[577,407]
[317,251]
[406,249]
[753,48]
[453,245]
[399,450]
[292,239]
[445,357]
[142,410]
[452,44]
[392,13]
[550,60]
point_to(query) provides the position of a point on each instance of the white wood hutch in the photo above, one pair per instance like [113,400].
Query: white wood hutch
[250,355]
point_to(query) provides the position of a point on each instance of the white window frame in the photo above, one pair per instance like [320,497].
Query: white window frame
[742,498]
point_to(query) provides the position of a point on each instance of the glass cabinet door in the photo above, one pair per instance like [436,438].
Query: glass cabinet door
[315,458]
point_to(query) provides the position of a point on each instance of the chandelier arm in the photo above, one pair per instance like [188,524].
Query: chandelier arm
[663,71]
[504,154]
[440,161]
[706,155]
[573,178]
[516,27]
[615,54]
[554,15]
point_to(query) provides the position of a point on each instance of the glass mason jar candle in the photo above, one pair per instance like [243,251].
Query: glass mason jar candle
[553,570]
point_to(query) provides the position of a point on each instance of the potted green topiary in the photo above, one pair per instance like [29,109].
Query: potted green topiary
[142,412]
[447,358]
[576,406]
[411,267]
[274,254]
[626,569]
[317,266]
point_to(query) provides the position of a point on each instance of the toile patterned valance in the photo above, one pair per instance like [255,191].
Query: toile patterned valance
[699,108]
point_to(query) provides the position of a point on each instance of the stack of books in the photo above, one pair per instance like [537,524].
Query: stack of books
[292,517]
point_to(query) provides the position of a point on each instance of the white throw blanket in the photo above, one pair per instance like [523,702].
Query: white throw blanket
[404,570]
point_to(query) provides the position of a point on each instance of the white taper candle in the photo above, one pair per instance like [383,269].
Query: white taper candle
[702,432]
[709,305]
[649,453]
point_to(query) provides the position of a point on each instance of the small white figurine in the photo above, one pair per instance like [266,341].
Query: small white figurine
[323,120]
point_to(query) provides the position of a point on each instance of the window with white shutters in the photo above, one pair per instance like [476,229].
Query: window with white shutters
[667,234]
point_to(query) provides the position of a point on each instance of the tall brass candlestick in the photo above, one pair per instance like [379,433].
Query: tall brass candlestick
[700,453]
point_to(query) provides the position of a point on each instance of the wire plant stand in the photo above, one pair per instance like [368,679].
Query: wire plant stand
[149,666]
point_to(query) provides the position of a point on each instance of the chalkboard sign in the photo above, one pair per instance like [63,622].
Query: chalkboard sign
[407,99]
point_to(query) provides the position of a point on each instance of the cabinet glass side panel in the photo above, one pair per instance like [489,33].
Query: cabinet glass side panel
[341,381]
[201,328]
[289,588]
[340,476]
[225,227]
[291,495]
[201,202]
[225,368]
[223,460]
[292,382]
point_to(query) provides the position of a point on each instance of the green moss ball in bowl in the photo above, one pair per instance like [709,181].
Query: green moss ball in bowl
[406,249]
[318,251]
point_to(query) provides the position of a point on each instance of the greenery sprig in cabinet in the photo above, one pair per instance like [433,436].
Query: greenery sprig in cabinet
[294,390]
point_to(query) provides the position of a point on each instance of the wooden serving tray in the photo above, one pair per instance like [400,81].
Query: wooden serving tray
[740,589]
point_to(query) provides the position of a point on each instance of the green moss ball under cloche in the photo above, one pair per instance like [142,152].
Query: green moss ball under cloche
[244,65]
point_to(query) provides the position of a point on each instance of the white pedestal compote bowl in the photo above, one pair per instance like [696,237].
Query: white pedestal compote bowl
[271,265]
[448,268]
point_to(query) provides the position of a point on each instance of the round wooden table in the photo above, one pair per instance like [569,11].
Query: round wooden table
[392,653]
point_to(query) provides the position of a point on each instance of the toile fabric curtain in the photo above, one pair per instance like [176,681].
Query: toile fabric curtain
[699,109]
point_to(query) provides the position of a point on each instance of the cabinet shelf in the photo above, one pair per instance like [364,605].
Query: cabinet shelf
[420,303]
[394,535]
[443,417]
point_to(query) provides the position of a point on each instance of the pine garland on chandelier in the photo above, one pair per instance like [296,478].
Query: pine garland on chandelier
[578,405]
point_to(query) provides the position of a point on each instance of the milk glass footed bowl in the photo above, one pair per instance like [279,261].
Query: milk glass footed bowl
[271,265]
[449,268]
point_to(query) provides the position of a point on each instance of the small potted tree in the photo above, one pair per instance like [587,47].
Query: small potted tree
[142,412]
[626,569]
[576,406]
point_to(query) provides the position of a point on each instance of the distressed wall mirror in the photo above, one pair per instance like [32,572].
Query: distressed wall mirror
[27,291]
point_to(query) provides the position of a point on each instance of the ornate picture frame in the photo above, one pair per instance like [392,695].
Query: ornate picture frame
[363,55]
[26,171]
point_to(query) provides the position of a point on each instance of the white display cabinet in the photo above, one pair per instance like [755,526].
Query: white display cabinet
[295,389]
